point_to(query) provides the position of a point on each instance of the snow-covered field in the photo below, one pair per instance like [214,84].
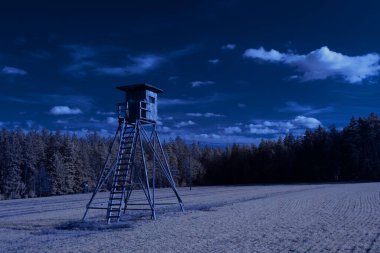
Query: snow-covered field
[281,218]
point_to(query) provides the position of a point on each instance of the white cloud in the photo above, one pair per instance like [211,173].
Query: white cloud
[13,71]
[194,114]
[242,105]
[232,130]
[175,101]
[260,53]
[209,136]
[229,47]
[306,122]
[62,110]
[61,121]
[105,113]
[185,123]
[323,63]
[207,114]
[257,129]
[93,120]
[198,100]
[164,129]
[214,61]
[283,127]
[201,83]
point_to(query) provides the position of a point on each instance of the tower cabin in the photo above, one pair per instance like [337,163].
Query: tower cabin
[140,103]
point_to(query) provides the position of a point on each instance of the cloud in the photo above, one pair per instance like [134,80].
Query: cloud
[258,129]
[232,130]
[241,105]
[164,129]
[74,100]
[185,123]
[304,109]
[322,63]
[207,114]
[79,52]
[220,139]
[64,110]
[13,71]
[112,121]
[105,113]
[60,121]
[229,47]
[175,101]
[139,65]
[306,122]
[201,83]
[88,60]
[94,120]
[209,136]
[283,127]
[214,61]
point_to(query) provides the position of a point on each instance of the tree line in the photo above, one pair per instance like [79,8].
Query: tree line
[44,163]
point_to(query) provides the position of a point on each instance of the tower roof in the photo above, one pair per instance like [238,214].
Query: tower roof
[139,86]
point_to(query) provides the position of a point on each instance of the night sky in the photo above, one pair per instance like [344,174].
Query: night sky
[232,71]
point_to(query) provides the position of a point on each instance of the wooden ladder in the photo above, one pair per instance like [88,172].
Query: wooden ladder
[124,165]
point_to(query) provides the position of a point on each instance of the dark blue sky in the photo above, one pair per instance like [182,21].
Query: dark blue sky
[232,71]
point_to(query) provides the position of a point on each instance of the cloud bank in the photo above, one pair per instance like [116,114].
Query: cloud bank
[283,127]
[322,63]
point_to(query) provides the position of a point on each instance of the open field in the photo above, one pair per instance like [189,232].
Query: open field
[280,218]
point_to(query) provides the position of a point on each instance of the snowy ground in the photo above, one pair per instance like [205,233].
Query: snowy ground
[282,218]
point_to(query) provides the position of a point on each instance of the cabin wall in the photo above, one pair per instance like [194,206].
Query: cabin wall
[134,98]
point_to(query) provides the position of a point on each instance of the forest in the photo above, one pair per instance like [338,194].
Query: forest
[44,163]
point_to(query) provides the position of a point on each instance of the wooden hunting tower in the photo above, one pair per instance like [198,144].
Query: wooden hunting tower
[137,141]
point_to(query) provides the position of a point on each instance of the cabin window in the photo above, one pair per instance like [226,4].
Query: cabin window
[152,100]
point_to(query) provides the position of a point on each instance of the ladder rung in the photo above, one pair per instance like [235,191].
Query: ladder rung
[116,199]
[122,169]
[119,181]
[118,164]
[113,217]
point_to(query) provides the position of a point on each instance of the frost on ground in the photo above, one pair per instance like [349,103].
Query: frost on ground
[281,218]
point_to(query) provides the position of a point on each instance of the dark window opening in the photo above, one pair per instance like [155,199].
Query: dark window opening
[152,100]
